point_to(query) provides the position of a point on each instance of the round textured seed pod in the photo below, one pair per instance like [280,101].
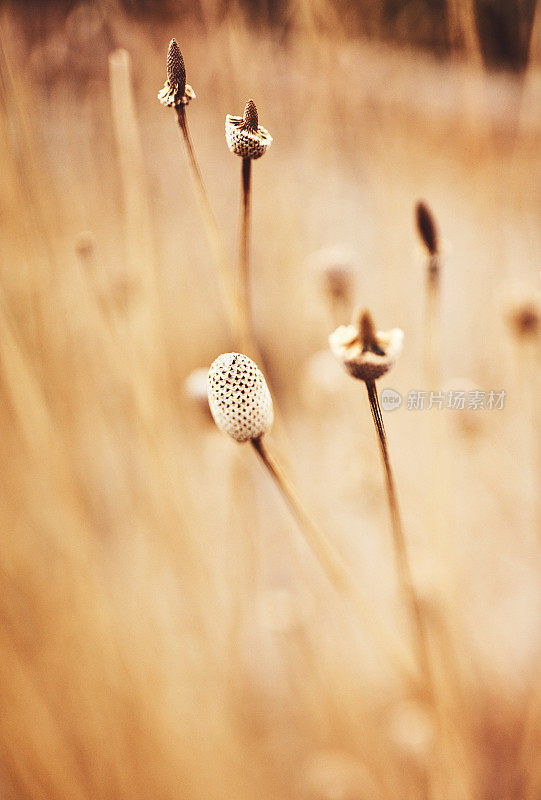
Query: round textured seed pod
[245,137]
[239,397]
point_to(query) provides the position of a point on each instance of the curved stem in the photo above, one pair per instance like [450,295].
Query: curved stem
[400,549]
[329,559]
[226,274]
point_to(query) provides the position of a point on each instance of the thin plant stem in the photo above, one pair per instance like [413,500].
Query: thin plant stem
[235,313]
[437,504]
[432,332]
[244,266]
[400,549]
[331,562]
[325,554]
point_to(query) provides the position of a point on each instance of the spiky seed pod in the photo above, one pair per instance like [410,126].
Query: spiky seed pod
[426,227]
[239,397]
[176,91]
[245,137]
[366,354]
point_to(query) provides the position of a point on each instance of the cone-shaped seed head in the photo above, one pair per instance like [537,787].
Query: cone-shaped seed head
[176,71]
[239,397]
[245,137]
[426,226]
[176,92]
[250,118]
[368,335]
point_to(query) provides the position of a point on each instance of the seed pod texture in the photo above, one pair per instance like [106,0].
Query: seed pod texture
[250,117]
[245,137]
[176,72]
[239,397]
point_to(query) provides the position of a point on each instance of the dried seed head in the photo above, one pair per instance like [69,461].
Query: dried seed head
[250,118]
[239,397]
[176,91]
[526,320]
[366,354]
[411,729]
[335,775]
[522,310]
[85,245]
[336,271]
[244,136]
[176,71]
[426,226]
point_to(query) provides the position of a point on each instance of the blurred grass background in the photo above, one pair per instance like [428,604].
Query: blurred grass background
[165,631]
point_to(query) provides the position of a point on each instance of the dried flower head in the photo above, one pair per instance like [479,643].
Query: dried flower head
[176,91]
[239,397]
[366,354]
[85,244]
[522,311]
[245,136]
[526,319]
[335,267]
[426,227]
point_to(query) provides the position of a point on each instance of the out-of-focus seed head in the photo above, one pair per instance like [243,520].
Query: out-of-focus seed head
[335,269]
[520,304]
[176,91]
[334,775]
[244,136]
[524,318]
[195,388]
[239,397]
[366,354]
[85,245]
[426,227]
[412,730]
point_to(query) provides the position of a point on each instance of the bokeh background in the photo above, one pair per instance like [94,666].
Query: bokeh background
[166,632]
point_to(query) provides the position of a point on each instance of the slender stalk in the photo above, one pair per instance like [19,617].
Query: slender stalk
[432,332]
[325,554]
[331,562]
[436,498]
[400,549]
[244,266]
[235,313]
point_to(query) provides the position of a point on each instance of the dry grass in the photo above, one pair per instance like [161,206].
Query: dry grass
[165,631]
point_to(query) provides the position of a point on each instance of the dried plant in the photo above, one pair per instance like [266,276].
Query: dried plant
[241,404]
[335,270]
[522,312]
[177,94]
[248,139]
[368,354]
[428,233]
